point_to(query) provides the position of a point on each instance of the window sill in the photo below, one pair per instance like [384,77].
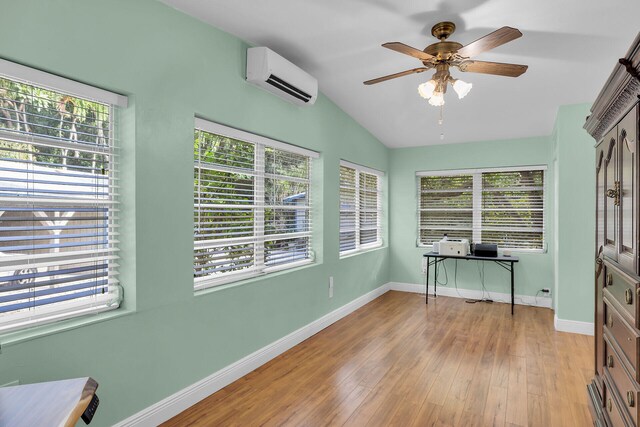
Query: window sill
[35,332]
[500,251]
[252,279]
[362,251]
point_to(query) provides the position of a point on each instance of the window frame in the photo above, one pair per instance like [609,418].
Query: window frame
[359,248]
[259,237]
[476,173]
[70,309]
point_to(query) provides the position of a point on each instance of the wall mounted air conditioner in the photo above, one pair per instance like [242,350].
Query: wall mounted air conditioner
[270,71]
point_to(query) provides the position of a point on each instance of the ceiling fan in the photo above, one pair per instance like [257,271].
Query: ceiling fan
[445,54]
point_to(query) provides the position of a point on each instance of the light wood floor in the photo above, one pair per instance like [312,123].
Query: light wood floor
[397,361]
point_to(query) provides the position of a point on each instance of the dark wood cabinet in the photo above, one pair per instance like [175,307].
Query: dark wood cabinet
[627,140]
[614,123]
[617,169]
[610,201]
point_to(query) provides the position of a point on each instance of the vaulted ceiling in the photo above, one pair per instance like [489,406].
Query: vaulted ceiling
[571,47]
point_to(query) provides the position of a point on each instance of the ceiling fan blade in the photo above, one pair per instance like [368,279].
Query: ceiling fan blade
[393,76]
[497,68]
[408,50]
[490,41]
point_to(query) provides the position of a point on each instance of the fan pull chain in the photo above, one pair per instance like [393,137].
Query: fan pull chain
[441,120]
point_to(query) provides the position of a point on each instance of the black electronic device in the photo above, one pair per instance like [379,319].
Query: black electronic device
[88,414]
[486,250]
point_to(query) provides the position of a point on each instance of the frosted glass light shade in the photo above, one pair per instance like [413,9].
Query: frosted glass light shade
[437,99]
[426,89]
[462,88]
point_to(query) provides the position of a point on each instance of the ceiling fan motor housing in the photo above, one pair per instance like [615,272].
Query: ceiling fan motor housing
[442,50]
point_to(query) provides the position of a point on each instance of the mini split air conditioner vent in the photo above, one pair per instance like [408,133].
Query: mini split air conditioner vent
[291,90]
[272,72]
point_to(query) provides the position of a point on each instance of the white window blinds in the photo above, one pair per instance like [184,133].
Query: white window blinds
[360,208]
[252,205]
[446,207]
[504,207]
[513,209]
[58,202]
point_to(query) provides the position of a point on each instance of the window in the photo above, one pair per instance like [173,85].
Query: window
[252,205]
[504,207]
[360,208]
[58,201]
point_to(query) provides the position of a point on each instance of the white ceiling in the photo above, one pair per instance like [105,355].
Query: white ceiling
[571,47]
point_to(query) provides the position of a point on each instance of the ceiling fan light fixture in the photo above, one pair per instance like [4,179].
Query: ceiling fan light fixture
[426,89]
[462,88]
[437,99]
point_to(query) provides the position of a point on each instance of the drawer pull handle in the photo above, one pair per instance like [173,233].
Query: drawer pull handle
[628,296]
[631,399]
[609,404]
[609,279]
[610,321]
[610,361]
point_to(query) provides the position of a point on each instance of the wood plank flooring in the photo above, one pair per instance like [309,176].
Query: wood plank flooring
[399,362]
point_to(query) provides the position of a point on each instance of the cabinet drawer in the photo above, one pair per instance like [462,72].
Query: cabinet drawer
[624,335]
[611,405]
[622,288]
[627,388]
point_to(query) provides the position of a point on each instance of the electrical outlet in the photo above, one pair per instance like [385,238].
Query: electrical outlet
[330,286]
[425,263]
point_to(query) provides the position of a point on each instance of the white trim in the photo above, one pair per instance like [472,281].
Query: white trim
[476,215]
[13,321]
[450,172]
[241,135]
[573,326]
[450,291]
[207,282]
[361,249]
[289,265]
[60,84]
[361,168]
[501,249]
[190,395]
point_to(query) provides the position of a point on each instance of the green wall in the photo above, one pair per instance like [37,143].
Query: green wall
[575,155]
[567,266]
[534,272]
[172,67]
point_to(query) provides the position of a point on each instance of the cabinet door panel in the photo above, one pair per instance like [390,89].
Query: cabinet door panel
[599,275]
[610,208]
[627,141]
[601,185]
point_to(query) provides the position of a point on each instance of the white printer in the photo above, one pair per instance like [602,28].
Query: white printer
[455,247]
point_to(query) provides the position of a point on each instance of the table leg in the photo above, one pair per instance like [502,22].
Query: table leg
[426,284]
[512,290]
[435,281]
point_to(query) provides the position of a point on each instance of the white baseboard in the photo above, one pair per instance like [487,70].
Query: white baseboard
[574,326]
[449,291]
[183,399]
